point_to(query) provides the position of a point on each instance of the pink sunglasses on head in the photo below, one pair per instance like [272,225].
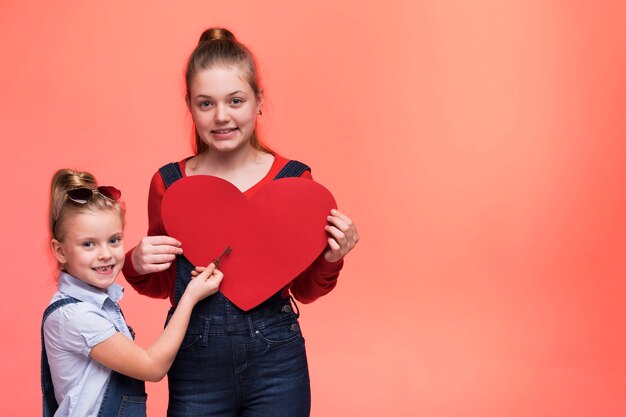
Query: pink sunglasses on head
[82,195]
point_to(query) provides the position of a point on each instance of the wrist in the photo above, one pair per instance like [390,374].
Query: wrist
[129,268]
[187,299]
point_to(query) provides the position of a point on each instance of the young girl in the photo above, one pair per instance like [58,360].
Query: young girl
[90,364]
[233,363]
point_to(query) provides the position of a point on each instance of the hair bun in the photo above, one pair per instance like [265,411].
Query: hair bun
[214,34]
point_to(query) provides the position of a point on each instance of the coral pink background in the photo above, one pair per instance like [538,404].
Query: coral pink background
[479,146]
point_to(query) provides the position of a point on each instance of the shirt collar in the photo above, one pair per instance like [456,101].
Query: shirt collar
[76,288]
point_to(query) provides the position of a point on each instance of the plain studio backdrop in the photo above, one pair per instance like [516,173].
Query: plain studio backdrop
[478,145]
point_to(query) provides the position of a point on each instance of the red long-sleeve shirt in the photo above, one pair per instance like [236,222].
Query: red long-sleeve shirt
[317,280]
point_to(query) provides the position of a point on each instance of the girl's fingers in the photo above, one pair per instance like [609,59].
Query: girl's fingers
[340,215]
[159,259]
[338,222]
[343,236]
[157,267]
[206,272]
[165,250]
[333,244]
[337,234]
[161,240]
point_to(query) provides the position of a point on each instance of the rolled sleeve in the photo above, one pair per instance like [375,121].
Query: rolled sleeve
[82,326]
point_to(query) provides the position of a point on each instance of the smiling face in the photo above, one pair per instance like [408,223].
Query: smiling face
[224,108]
[92,249]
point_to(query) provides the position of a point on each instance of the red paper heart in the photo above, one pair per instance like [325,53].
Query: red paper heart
[274,236]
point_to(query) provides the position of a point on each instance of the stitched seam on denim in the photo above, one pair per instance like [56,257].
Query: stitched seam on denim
[293,168]
[207,325]
[170,173]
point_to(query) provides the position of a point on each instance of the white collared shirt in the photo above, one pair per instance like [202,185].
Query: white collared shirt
[70,333]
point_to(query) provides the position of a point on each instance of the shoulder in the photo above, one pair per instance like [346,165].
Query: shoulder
[280,162]
[78,327]
[168,173]
[156,183]
[284,167]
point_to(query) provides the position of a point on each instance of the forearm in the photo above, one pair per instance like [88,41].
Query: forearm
[316,281]
[121,354]
[155,285]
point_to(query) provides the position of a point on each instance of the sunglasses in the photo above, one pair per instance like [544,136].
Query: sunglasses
[82,195]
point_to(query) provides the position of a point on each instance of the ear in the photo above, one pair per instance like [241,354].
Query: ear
[259,98]
[58,252]
[188,102]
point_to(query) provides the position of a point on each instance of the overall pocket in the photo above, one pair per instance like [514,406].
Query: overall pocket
[281,333]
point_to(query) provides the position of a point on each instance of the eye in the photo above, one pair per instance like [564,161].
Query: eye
[88,244]
[116,240]
[205,104]
[236,101]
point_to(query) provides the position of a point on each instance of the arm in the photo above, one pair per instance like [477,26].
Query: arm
[317,280]
[122,355]
[321,277]
[148,266]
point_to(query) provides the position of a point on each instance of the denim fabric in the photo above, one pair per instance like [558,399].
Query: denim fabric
[124,397]
[236,363]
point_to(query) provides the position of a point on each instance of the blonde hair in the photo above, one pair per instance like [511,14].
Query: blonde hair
[218,47]
[62,208]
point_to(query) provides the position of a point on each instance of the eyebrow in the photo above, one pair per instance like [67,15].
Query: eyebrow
[228,95]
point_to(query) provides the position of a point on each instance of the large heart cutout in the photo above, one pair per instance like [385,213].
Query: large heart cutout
[274,236]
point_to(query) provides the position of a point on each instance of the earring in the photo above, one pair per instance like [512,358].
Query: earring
[259,112]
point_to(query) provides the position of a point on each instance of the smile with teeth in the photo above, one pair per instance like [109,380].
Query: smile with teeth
[103,269]
[223,131]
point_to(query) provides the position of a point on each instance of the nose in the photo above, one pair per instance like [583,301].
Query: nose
[221,114]
[104,253]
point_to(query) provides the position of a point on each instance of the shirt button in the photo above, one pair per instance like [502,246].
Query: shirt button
[295,327]
[286,309]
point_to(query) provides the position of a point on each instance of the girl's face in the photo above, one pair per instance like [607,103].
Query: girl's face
[223,107]
[92,249]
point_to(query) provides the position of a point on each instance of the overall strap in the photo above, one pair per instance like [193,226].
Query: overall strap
[49,401]
[293,168]
[170,173]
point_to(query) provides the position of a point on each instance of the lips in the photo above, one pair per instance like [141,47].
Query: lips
[225,134]
[223,131]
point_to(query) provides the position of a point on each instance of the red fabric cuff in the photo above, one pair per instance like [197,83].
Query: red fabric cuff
[128,269]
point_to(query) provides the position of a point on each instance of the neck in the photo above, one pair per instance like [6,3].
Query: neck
[225,162]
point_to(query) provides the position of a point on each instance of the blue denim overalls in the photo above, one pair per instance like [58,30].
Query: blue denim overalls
[124,396]
[234,362]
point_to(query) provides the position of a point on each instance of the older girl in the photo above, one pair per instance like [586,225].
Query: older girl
[233,362]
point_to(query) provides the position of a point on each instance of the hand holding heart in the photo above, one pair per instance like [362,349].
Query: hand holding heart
[343,236]
[155,254]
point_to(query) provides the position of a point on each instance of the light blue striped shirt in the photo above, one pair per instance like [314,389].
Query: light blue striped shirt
[70,333]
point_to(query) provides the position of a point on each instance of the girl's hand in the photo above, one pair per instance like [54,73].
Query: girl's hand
[155,254]
[343,236]
[203,283]
[198,271]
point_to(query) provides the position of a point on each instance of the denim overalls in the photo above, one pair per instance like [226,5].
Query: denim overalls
[234,362]
[124,396]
